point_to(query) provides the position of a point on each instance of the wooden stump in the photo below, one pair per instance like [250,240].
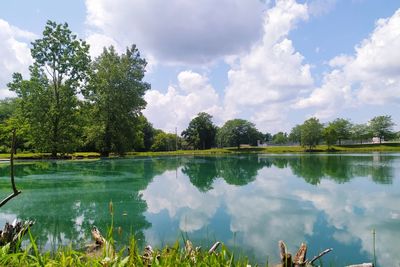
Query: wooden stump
[299,259]
[101,247]
[13,232]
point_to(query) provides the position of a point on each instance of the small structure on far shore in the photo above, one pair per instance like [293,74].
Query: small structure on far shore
[377,140]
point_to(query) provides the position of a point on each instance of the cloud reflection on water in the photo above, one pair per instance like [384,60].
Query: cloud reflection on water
[248,200]
[277,205]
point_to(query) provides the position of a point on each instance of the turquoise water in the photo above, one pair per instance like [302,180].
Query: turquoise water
[249,202]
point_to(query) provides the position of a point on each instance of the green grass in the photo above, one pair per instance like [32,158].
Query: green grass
[25,155]
[35,156]
[387,147]
[212,151]
[168,256]
[78,155]
[175,255]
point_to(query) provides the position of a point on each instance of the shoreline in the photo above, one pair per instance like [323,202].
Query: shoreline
[364,148]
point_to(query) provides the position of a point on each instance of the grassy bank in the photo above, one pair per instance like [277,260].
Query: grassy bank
[37,156]
[362,148]
[389,147]
[168,256]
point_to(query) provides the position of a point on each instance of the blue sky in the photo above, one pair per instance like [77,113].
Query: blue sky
[275,63]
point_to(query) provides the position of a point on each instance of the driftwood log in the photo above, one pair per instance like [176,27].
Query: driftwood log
[214,247]
[191,252]
[12,233]
[147,256]
[299,260]
[101,247]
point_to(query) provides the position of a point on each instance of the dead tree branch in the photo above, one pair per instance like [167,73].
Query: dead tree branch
[16,192]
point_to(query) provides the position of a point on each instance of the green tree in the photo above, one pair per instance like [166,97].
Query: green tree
[48,99]
[342,128]
[360,132]
[238,131]
[330,135]
[164,141]
[148,132]
[115,92]
[295,134]
[201,132]
[382,127]
[267,137]
[12,118]
[280,138]
[311,133]
[7,108]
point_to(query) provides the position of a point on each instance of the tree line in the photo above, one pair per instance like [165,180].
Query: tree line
[73,103]
[312,132]
[202,133]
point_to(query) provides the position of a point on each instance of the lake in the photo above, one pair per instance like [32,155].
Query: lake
[249,202]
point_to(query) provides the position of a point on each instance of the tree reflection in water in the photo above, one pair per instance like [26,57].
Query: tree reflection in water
[241,170]
[260,198]
[67,198]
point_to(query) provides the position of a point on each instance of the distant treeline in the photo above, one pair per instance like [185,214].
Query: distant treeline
[73,103]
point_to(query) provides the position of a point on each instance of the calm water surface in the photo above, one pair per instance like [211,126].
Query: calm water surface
[249,202]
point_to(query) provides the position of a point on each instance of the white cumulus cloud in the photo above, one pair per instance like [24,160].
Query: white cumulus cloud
[268,79]
[182,102]
[98,42]
[272,73]
[369,77]
[175,31]
[14,53]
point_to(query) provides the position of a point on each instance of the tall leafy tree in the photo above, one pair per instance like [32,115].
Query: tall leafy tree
[360,132]
[295,134]
[280,138]
[311,133]
[7,108]
[116,91]
[147,132]
[201,131]
[330,135]
[238,131]
[267,137]
[48,99]
[382,127]
[164,141]
[342,128]
[11,118]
